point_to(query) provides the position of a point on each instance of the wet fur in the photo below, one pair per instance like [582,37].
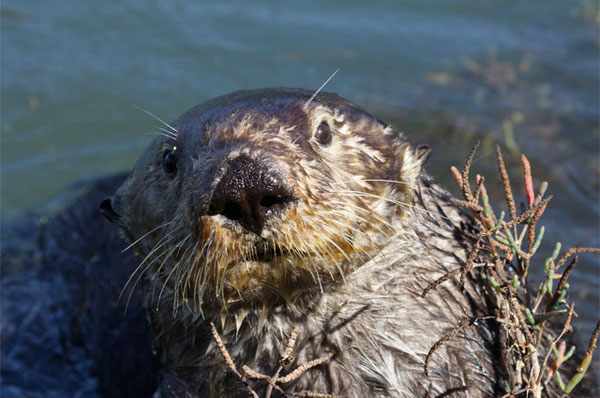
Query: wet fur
[65,331]
[370,230]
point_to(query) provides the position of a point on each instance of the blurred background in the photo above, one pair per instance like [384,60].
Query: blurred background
[522,74]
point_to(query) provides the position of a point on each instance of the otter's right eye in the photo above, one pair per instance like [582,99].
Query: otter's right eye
[170,163]
[323,134]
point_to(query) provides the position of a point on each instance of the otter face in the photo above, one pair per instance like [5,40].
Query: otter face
[258,196]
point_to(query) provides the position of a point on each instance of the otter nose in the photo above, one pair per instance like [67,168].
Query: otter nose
[250,193]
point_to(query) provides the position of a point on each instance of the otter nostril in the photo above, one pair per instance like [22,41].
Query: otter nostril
[232,212]
[271,200]
[251,193]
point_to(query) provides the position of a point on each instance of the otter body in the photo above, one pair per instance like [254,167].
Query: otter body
[264,213]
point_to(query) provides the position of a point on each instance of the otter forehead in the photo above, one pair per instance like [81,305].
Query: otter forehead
[265,109]
[287,104]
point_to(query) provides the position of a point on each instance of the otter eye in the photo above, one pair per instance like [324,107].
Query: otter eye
[170,163]
[323,134]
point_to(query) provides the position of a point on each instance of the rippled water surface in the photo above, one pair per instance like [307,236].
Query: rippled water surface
[523,74]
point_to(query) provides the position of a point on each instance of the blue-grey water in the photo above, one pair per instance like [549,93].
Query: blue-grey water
[520,73]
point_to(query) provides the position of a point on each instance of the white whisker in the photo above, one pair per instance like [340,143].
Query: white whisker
[320,88]
[173,129]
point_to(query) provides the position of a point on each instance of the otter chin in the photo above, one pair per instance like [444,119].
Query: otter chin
[266,212]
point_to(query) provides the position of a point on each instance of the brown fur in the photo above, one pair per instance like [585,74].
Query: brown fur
[350,257]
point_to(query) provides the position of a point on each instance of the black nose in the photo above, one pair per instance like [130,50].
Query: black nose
[250,193]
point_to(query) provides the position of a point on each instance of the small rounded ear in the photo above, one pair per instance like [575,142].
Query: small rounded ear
[412,162]
[108,211]
[421,152]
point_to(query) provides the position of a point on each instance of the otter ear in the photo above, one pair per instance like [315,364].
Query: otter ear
[107,208]
[422,152]
[414,157]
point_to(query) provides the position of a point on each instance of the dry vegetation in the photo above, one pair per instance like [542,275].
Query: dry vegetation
[504,250]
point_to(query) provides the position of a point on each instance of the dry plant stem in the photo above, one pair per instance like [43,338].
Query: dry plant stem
[562,283]
[229,361]
[439,343]
[224,351]
[594,340]
[447,337]
[517,310]
[510,200]
[516,393]
[532,223]
[566,328]
[469,205]
[466,188]
[531,211]
[253,374]
[273,381]
[286,357]
[303,368]
[575,250]
[270,387]
[469,263]
[440,280]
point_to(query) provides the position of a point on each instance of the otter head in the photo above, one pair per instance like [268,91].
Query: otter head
[260,196]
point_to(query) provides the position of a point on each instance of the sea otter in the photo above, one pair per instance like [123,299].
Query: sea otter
[270,213]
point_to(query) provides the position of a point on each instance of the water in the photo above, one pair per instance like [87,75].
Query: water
[520,73]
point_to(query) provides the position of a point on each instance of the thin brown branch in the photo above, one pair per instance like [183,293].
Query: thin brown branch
[562,283]
[310,394]
[440,280]
[447,337]
[253,374]
[566,328]
[470,259]
[224,351]
[439,343]
[465,174]
[594,339]
[532,224]
[286,357]
[531,211]
[519,313]
[229,361]
[510,200]
[303,368]
[469,205]
[575,250]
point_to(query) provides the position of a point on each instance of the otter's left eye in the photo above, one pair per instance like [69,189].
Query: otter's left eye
[170,163]
[323,134]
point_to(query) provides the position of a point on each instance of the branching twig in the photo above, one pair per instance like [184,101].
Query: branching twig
[575,250]
[561,284]
[273,381]
[440,280]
